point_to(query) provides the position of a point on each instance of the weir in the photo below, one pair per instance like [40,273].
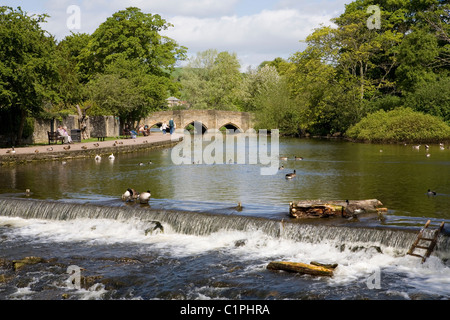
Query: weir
[204,223]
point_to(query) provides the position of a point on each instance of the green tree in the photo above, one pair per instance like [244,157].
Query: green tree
[213,80]
[134,35]
[128,90]
[28,73]
[70,88]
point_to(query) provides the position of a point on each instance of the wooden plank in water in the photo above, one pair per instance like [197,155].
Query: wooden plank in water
[300,267]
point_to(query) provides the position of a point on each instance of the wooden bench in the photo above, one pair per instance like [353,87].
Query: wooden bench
[54,137]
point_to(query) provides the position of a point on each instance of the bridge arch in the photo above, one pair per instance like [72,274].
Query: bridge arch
[194,125]
[211,119]
[231,126]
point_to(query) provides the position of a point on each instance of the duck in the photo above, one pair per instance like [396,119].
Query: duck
[417,147]
[283,158]
[281,168]
[111,157]
[353,210]
[67,148]
[50,149]
[298,158]
[291,175]
[144,197]
[84,147]
[98,158]
[96,145]
[431,193]
[134,194]
[11,151]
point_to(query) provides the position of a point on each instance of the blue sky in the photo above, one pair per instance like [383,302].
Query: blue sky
[256,30]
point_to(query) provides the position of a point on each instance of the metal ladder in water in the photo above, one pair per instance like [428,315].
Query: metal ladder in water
[421,237]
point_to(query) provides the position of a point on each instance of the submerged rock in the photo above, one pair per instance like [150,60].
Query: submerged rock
[18,264]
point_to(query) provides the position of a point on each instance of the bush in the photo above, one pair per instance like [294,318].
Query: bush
[400,125]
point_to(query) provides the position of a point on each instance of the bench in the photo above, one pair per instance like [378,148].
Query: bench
[54,137]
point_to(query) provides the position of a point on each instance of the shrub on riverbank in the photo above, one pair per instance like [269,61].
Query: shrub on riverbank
[400,125]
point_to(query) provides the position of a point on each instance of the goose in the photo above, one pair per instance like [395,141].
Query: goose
[127,194]
[431,193]
[298,158]
[144,197]
[291,175]
[281,168]
[111,157]
[283,158]
[98,158]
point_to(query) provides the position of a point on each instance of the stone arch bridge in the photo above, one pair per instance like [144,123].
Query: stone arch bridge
[209,119]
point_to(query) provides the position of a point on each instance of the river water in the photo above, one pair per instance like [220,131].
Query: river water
[208,248]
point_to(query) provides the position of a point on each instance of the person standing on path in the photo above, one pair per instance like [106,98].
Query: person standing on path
[171,126]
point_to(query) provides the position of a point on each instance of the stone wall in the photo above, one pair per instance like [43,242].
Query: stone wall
[98,126]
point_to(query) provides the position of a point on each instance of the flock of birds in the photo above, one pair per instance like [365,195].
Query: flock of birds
[131,195]
[291,175]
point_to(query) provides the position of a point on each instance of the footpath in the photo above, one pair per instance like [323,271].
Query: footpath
[86,149]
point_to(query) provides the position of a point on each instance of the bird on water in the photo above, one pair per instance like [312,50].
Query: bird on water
[291,175]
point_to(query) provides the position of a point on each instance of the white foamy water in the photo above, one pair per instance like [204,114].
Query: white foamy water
[389,270]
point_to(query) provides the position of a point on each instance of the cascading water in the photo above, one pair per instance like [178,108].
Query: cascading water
[201,224]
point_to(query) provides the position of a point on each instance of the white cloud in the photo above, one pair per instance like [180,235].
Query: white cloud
[211,24]
[268,34]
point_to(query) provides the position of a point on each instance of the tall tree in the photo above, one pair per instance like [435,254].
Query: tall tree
[28,72]
[212,80]
[133,35]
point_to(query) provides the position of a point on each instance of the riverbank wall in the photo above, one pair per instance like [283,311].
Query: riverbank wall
[62,152]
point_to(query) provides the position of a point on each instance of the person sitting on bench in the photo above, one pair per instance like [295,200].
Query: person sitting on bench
[63,133]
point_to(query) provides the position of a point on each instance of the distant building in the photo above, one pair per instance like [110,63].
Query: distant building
[172,102]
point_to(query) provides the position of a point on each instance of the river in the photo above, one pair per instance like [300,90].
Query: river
[211,249]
